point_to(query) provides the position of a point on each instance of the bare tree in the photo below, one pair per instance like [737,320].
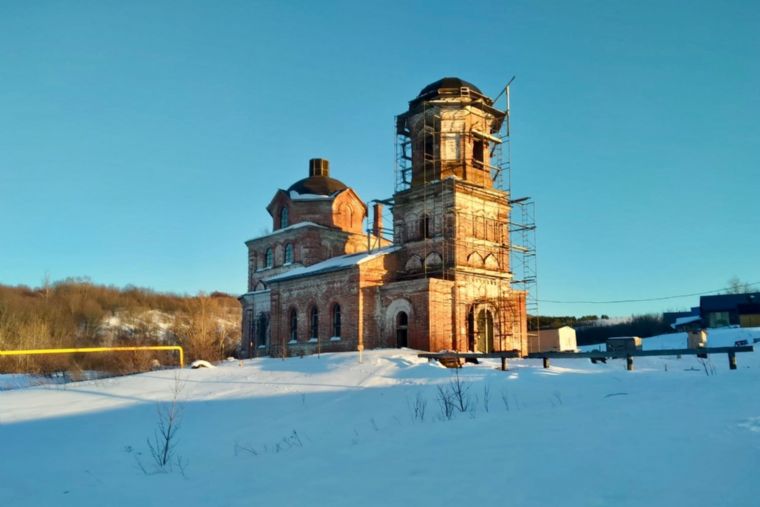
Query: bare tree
[163,444]
[736,286]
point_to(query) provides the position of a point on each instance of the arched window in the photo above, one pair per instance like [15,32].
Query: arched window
[268,258]
[336,320]
[288,253]
[261,335]
[284,219]
[293,325]
[314,321]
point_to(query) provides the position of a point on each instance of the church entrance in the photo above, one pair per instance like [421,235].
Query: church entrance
[484,342]
[402,326]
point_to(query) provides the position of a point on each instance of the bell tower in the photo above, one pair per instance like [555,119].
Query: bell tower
[449,131]
[451,218]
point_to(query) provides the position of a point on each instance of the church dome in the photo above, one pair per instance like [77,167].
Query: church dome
[319,181]
[448,83]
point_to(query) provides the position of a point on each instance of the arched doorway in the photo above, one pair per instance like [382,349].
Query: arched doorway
[402,328]
[484,338]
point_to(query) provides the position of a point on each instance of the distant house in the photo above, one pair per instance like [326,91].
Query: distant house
[553,340]
[723,310]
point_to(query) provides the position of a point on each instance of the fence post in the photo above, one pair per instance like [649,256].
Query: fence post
[732,360]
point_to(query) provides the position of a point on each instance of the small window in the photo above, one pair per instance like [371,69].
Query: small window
[314,322]
[477,153]
[425,228]
[288,254]
[269,258]
[284,219]
[293,325]
[336,320]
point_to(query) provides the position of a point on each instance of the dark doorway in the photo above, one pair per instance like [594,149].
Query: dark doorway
[402,326]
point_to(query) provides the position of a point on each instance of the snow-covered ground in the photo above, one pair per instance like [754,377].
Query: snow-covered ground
[333,431]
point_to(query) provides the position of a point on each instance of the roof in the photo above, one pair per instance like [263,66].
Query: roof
[726,302]
[448,83]
[334,264]
[289,228]
[317,185]
[682,321]
[448,87]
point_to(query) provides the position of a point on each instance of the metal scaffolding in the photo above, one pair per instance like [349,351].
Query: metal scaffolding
[448,228]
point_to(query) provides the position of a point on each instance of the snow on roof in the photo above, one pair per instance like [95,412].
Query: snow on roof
[295,196]
[289,228]
[334,264]
[680,321]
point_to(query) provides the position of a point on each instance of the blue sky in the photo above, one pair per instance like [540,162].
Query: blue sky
[140,141]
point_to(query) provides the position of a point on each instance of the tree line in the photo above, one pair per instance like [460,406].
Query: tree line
[76,312]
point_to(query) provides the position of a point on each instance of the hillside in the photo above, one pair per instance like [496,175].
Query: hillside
[79,313]
[331,430]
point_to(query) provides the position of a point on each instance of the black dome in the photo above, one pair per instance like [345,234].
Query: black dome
[317,185]
[449,83]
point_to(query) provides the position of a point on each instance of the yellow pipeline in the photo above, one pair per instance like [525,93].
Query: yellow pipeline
[96,349]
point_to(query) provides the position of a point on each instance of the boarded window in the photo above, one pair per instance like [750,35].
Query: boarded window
[451,147]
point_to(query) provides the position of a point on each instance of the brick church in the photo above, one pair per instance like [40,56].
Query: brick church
[321,281]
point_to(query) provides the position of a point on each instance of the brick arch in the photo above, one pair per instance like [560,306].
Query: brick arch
[475,259]
[414,264]
[476,313]
[491,262]
[391,312]
[433,260]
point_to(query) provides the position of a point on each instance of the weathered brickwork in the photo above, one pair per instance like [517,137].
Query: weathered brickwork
[319,283]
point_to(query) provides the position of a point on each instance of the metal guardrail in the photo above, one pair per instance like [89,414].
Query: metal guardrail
[594,355]
[95,349]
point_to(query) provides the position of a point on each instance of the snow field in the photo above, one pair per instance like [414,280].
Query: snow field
[332,431]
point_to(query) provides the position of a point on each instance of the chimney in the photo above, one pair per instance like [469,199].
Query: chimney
[319,167]
[377,219]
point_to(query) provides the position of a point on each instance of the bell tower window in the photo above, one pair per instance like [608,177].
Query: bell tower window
[478,148]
